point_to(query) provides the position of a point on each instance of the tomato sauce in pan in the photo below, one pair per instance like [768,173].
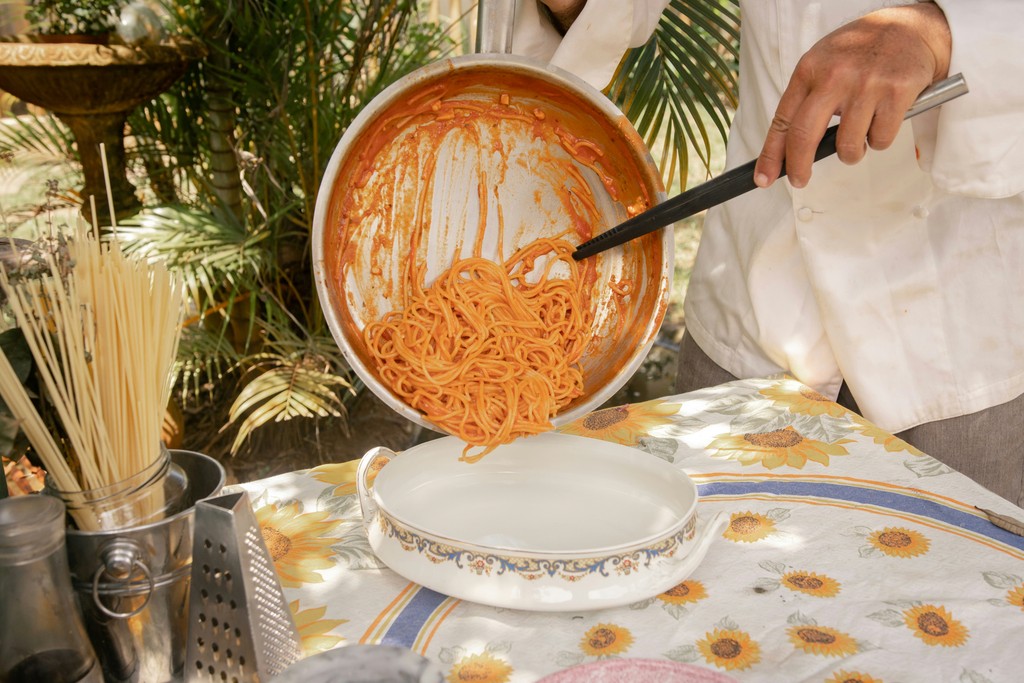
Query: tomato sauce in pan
[482,161]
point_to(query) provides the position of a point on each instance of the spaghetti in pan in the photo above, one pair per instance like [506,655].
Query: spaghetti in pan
[442,251]
[486,354]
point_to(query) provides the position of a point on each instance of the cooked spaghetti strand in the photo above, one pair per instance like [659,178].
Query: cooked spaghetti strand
[489,352]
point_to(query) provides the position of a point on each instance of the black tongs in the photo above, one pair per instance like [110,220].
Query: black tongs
[739,180]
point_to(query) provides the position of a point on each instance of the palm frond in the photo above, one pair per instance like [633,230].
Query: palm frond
[681,85]
[204,359]
[216,257]
[283,388]
[43,135]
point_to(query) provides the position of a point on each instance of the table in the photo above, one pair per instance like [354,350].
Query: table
[848,556]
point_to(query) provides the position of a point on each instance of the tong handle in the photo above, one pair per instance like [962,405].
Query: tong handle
[740,180]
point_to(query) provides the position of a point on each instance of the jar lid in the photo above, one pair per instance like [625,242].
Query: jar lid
[31,527]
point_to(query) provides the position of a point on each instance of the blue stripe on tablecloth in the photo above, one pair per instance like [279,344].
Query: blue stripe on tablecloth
[857,494]
[407,625]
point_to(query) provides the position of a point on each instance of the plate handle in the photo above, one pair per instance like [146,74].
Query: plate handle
[706,535]
[369,465]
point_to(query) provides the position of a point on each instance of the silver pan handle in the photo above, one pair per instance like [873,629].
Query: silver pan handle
[495,20]
[937,93]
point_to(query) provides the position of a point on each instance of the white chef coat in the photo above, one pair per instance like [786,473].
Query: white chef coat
[900,275]
[904,277]
[596,41]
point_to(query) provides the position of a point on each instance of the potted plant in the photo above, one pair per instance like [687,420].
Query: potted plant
[76,21]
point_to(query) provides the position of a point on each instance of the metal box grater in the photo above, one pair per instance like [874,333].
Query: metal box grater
[240,627]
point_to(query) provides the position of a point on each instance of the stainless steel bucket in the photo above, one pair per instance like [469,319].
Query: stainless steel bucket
[133,584]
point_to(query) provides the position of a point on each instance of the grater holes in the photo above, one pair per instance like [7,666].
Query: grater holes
[214,622]
[202,617]
[200,643]
[207,543]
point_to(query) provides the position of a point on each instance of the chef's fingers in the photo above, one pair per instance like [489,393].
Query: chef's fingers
[854,123]
[805,132]
[773,152]
[893,104]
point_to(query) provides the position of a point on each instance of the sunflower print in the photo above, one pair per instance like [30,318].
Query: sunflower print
[803,400]
[810,583]
[748,527]
[624,424]
[852,677]
[313,628]
[298,543]
[776,448]
[935,626]
[729,649]
[892,444]
[899,542]
[343,475]
[605,640]
[821,640]
[1016,596]
[687,591]
[481,668]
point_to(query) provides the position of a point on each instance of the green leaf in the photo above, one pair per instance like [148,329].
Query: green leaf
[683,80]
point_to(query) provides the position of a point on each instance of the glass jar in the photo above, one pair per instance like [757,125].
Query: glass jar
[152,494]
[43,637]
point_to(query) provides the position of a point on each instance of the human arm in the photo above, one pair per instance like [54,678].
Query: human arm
[596,39]
[868,72]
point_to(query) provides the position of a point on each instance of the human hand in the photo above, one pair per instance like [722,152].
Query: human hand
[868,72]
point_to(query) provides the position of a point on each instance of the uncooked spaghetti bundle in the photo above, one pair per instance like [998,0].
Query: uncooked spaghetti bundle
[103,329]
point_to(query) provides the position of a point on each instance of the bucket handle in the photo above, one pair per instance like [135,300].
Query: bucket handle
[495,20]
[120,560]
[369,465]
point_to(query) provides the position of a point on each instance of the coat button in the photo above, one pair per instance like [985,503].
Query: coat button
[805,214]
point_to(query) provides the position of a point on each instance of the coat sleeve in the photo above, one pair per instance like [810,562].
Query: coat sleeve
[595,43]
[974,145]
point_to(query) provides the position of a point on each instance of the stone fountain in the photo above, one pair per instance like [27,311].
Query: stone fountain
[92,88]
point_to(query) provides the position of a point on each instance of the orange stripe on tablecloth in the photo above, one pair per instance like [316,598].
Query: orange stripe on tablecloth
[887,512]
[869,483]
[390,609]
[437,624]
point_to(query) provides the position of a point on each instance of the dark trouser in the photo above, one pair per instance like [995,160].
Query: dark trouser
[987,446]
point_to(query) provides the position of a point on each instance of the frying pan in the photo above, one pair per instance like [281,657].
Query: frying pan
[486,153]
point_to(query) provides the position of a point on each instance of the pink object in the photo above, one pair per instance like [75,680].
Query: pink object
[637,671]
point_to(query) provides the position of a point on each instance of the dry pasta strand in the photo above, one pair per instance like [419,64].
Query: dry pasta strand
[103,338]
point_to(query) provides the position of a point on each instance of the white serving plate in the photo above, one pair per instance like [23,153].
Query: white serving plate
[552,522]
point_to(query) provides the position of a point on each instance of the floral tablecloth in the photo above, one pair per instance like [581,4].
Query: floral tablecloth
[849,556]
